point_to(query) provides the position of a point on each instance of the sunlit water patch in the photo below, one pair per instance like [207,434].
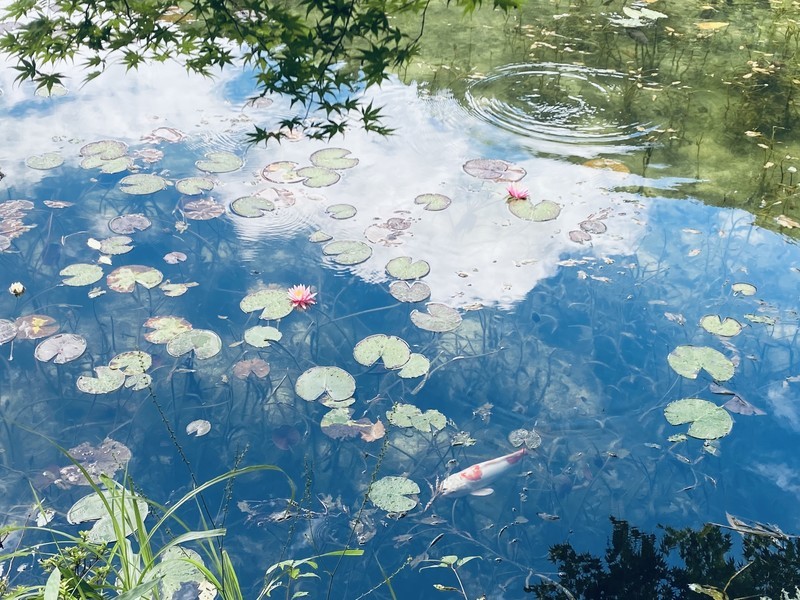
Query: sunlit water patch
[562,108]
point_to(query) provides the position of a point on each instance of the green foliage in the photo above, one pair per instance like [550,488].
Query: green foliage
[319,53]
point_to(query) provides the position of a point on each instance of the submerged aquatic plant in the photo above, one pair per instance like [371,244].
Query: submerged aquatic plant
[301,296]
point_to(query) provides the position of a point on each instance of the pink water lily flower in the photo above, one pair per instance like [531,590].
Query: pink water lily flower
[516,193]
[301,296]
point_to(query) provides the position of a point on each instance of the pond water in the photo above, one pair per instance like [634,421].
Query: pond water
[558,318]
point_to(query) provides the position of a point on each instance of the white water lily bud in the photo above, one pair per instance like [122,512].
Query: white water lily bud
[16,288]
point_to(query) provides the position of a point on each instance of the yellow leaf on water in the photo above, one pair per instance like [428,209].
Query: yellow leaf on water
[711,25]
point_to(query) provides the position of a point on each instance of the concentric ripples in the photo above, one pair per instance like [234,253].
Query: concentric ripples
[560,103]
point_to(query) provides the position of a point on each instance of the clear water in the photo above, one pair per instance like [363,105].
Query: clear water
[570,339]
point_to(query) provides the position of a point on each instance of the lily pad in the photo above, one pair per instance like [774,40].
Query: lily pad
[743,289]
[333,158]
[198,428]
[439,318]
[252,206]
[284,171]
[727,328]
[392,494]
[109,167]
[165,328]
[688,360]
[173,258]
[194,186]
[107,380]
[708,421]
[105,149]
[317,177]
[257,366]
[61,348]
[337,424]
[129,223]
[132,362]
[34,327]
[527,210]
[179,577]
[81,274]
[393,350]
[261,335]
[219,162]
[341,211]
[204,342]
[528,437]
[403,267]
[43,162]
[138,382]
[173,290]
[273,303]
[762,319]
[433,202]
[8,331]
[124,279]
[494,170]
[203,210]
[346,252]
[408,415]
[404,291]
[319,236]
[417,366]
[333,381]
[120,507]
[141,184]
[114,245]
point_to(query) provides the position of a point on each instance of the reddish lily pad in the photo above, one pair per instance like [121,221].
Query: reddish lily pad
[203,210]
[257,366]
[494,170]
[337,424]
[124,279]
[34,327]
[61,348]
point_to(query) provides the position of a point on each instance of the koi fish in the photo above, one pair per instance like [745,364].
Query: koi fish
[473,480]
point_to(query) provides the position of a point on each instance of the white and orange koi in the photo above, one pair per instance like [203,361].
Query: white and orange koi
[474,479]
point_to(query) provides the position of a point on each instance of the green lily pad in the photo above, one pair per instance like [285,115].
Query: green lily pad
[252,206]
[346,252]
[129,223]
[273,303]
[173,290]
[138,382]
[708,421]
[48,160]
[393,350]
[107,380]
[763,319]
[219,162]
[61,348]
[439,318]
[121,509]
[403,267]
[408,415]
[319,236]
[165,328]
[417,366]
[392,494]
[433,202]
[204,342]
[141,184]
[8,331]
[541,211]
[688,360]
[333,381]
[178,572]
[261,335]
[114,245]
[105,149]
[109,167]
[341,211]
[284,171]
[132,362]
[81,274]
[333,158]
[727,328]
[194,186]
[529,437]
[337,424]
[404,291]
[743,289]
[317,177]
[494,170]
[124,279]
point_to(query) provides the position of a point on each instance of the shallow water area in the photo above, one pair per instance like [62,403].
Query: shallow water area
[558,313]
